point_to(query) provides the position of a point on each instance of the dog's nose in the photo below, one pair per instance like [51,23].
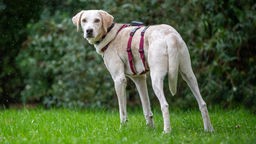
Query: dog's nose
[89,31]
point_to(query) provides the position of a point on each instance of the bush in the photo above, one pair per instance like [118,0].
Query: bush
[14,18]
[61,69]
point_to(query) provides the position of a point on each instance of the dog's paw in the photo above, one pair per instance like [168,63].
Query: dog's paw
[124,124]
[209,129]
[150,124]
[167,131]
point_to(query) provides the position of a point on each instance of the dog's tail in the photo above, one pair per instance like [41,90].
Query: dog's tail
[174,44]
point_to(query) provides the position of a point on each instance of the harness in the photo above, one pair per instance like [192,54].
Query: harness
[129,50]
[141,50]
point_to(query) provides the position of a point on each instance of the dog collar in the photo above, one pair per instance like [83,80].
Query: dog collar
[108,30]
[105,47]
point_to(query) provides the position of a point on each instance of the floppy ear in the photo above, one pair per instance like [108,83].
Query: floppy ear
[107,20]
[77,18]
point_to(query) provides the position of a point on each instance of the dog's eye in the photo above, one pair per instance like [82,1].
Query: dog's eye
[97,20]
[84,20]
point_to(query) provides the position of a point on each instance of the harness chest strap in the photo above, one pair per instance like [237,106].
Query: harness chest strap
[141,50]
[129,50]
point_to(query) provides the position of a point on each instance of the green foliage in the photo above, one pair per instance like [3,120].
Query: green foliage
[101,126]
[59,68]
[15,15]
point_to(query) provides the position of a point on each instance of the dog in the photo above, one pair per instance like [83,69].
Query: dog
[164,52]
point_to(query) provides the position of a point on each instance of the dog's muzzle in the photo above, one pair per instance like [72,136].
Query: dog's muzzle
[89,33]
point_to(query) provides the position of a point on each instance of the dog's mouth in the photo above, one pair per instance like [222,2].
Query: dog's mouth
[88,36]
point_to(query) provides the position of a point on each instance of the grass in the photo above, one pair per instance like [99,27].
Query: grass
[100,126]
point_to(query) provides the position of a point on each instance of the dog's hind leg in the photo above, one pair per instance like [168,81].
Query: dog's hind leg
[157,84]
[189,76]
[141,85]
[158,63]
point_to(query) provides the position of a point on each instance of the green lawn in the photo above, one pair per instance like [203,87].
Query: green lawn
[98,126]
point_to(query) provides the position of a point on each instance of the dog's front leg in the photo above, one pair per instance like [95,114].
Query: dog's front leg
[120,87]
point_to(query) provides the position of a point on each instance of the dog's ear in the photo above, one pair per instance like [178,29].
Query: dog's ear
[107,20]
[77,18]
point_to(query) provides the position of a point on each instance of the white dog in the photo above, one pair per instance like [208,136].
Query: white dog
[131,51]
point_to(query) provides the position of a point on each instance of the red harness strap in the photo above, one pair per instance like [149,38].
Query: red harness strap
[129,50]
[141,50]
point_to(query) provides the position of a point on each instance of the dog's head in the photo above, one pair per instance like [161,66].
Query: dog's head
[94,23]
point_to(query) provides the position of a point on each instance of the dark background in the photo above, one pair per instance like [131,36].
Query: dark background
[43,60]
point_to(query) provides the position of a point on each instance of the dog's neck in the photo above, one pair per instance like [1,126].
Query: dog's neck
[107,39]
